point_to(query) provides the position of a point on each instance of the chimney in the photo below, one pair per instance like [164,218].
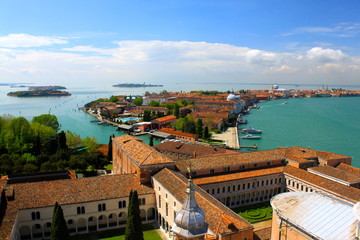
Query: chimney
[194,154]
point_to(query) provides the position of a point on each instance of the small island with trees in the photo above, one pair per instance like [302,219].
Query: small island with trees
[136,85]
[39,93]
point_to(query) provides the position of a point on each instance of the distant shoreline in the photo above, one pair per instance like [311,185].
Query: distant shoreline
[137,85]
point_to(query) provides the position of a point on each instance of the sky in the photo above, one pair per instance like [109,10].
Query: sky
[183,41]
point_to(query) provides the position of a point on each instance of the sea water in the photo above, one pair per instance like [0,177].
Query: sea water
[325,124]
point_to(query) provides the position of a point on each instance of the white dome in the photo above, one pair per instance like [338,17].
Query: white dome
[231,97]
[275,86]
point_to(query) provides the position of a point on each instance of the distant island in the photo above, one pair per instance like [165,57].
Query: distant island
[34,88]
[137,85]
[39,93]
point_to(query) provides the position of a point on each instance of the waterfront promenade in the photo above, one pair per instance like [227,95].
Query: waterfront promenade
[230,137]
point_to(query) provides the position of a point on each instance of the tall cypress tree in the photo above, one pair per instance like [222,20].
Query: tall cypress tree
[59,230]
[62,140]
[133,229]
[109,155]
[199,127]
[206,133]
[176,110]
[151,143]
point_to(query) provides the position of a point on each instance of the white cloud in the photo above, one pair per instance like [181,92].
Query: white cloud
[346,29]
[325,55]
[164,60]
[26,40]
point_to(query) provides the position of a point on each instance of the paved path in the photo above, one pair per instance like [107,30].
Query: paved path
[230,137]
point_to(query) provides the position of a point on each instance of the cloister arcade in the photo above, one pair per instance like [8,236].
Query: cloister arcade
[84,224]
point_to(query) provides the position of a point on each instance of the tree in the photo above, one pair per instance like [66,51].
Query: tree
[154,103]
[62,140]
[113,99]
[59,230]
[199,127]
[146,115]
[176,110]
[151,143]
[206,133]
[133,229]
[109,155]
[48,120]
[138,101]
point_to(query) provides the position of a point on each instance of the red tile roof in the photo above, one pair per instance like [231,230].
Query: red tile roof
[237,176]
[349,193]
[69,191]
[297,154]
[191,149]
[214,211]
[139,151]
[337,173]
[172,131]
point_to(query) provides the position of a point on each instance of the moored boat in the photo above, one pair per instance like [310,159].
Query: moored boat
[249,136]
[251,130]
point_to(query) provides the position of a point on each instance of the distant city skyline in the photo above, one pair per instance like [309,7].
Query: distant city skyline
[110,42]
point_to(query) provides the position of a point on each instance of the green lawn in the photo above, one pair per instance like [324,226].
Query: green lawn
[118,234]
[255,213]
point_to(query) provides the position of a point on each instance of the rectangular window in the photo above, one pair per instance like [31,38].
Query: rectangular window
[167,209]
[212,171]
[223,189]
[159,201]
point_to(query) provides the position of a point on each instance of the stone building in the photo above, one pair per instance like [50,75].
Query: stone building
[219,182]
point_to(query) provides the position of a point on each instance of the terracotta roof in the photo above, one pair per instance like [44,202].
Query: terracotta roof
[69,191]
[139,151]
[237,176]
[337,173]
[262,234]
[176,184]
[165,119]
[348,168]
[172,131]
[297,154]
[191,149]
[346,192]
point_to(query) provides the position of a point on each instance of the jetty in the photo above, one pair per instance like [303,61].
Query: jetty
[230,137]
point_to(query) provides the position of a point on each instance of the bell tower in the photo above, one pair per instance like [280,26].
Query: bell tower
[190,220]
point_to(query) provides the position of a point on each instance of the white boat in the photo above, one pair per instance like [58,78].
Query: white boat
[249,136]
[251,131]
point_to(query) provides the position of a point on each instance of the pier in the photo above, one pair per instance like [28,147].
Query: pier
[230,137]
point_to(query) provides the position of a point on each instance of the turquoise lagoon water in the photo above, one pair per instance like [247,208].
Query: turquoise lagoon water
[326,124]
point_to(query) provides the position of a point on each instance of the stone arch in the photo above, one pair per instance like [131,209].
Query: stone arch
[71,225]
[36,231]
[122,218]
[143,214]
[112,220]
[102,221]
[151,214]
[47,229]
[81,225]
[25,232]
[92,223]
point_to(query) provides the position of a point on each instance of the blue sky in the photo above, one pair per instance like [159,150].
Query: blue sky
[191,41]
